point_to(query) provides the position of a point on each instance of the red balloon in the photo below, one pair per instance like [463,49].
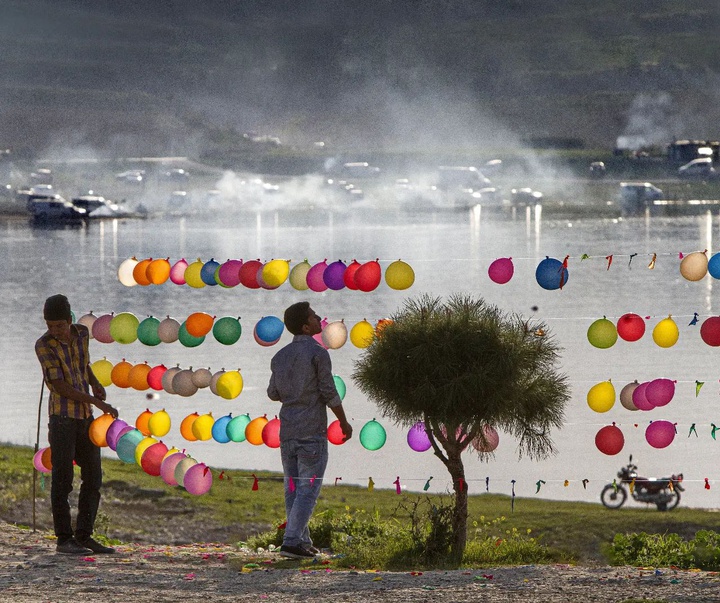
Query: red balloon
[368,276]
[152,458]
[630,327]
[248,274]
[271,433]
[335,434]
[349,275]
[610,440]
[710,331]
[154,377]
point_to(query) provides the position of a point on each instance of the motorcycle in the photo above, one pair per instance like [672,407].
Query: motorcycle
[663,492]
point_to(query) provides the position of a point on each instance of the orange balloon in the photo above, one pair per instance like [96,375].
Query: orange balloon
[186,427]
[158,271]
[142,423]
[138,376]
[254,429]
[199,324]
[140,272]
[46,458]
[98,430]
[380,325]
[120,374]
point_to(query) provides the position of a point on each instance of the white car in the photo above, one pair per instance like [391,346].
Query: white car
[131,176]
[702,167]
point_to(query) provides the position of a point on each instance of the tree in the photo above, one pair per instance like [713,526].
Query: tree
[461,366]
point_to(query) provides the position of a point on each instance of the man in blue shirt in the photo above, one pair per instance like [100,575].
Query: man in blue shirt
[302,381]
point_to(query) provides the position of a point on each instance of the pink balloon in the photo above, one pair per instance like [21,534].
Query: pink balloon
[610,440]
[168,465]
[660,434]
[639,397]
[101,329]
[492,439]
[177,272]
[315,279]
[501,270]
[417,437]
[271,433]
[198,479]
[229,273]
[318,337]
[37,461]
[660,392]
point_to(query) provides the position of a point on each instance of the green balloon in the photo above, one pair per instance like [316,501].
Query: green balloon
[147,331]
[227,330]
[125,447]
[124,327]
[235,428]
[372,435]
[602,333]
[189,341]
[340,386]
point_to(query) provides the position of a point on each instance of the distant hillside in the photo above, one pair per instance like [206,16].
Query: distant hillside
[188,77]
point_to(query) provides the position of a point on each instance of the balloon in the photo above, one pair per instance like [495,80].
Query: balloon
[188,340]
[626,394]
[714,266]
[186,427]
[229,385]
[142,446]
[639,397]
[138,376]
[182,467]
[40,463]
[368,276]
[334,335]
[140,272]
[123,327]
[88,320]
[550,274]
[168,466]
[227,330]
[219,429]
[666,333]
[154,377]
[501,270]
[207,272]
[120,374]
[236,428]
[253,431]
[349,275]
[158,271]
[362,334]
[101,329]
[169,330]
[602,333]
[102,369]
[113,432]
[167,379]
[609,440]
[152,458]
[315,277]
[660,392]
[261,342]
[601,396]
[202,427]
[199,324]
[159,423]
[201,377]
[248,274]
[214,380]
[275,272]
[126,445]
[694,266]
[98,430]
[630,327]
[142,422]
[399,275]
[177,272]
[417,437]
[298,276]
[333,275]
[192,274]
[380,325]
[198,479]
[271,433]
[488,440]
[340,386]
[335,434]
[229,273]
[269,328]
[125,272]
[261,281]
[147,331]
[373,435]
[710,331]
[660,434]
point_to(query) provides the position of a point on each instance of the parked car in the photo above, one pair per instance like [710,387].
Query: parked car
[51,208]
[702,167]
[131,176]
[525,196]
[635,197]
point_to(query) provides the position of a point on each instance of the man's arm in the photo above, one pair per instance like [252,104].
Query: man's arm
[64,389]
[346,428]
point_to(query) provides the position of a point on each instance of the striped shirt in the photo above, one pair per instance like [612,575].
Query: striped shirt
[69,362]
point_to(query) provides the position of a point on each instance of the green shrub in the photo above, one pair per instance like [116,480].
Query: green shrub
[663,550]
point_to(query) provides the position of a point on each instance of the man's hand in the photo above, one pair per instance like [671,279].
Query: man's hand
[106,408]
[347,430]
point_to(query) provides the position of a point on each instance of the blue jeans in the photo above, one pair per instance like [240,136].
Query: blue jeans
[305,462]
[70,441]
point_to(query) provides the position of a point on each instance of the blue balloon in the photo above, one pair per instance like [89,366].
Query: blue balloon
[127,444]
[207,272]
[550,274]
[219,429]
[269,328]
[714,266]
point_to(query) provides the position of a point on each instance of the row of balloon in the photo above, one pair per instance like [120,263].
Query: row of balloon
[603,333]
[254,274]
[419,441]
[659,434]
[633,396]
[550,273]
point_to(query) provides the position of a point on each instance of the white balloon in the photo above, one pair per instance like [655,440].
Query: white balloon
[202,377]
[88,320]
[169,330]
[335,334]
[214,380]
[125,272]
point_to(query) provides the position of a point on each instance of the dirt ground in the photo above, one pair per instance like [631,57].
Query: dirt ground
[31,572]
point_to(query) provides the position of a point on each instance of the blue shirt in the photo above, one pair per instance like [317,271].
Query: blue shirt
[302,381]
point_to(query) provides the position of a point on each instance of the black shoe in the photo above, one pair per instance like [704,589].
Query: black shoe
[96,547]
[313,549]
[70,547]
[295,552]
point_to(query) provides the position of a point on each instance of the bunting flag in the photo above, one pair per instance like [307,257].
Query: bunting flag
[631,487]
[512,500]
[256,485]
[585,483]
[426,487]
[694,320]
[693,430]
[566,483]
[371,484]
[337,479]
[538,485]
[291,484]
[487,484]
[651,265]
[609,259]
[698,387]
[714,429]
[707,484]
[632,255]
[397,485]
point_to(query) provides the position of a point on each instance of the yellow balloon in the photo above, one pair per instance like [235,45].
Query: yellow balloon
[102,369]
[229,385]
[399,275]
[298,276]
[694,266]
[171,451]
[666,333]
[275,272]
[202,427]
[362,334]
[192,274]
[125,272]
[144,444]
[159,423]
[601,396]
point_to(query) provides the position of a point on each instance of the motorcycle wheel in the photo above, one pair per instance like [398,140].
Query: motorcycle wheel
[613,498]
[669,506]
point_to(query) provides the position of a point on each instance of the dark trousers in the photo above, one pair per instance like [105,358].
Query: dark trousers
[70,441]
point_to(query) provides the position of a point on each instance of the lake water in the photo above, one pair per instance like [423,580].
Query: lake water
[449,253]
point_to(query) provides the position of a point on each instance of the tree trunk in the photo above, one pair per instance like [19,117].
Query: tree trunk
[460,511]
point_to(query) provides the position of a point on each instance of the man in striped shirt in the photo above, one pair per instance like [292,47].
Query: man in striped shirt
[63,353]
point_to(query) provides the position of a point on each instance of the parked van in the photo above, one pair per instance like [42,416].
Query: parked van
[636,196]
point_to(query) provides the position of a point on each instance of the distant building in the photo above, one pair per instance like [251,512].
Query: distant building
[683,151]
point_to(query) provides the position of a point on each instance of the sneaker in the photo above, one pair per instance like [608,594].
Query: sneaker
[313,549]
[71,547]
[295,552]
[96,547]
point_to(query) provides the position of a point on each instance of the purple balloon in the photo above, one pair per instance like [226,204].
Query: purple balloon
[659,392]
[315,279]
[660,434]
[501,270]
[639,397]
[229,273]
[333,275]
[417,437]
[114,432]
